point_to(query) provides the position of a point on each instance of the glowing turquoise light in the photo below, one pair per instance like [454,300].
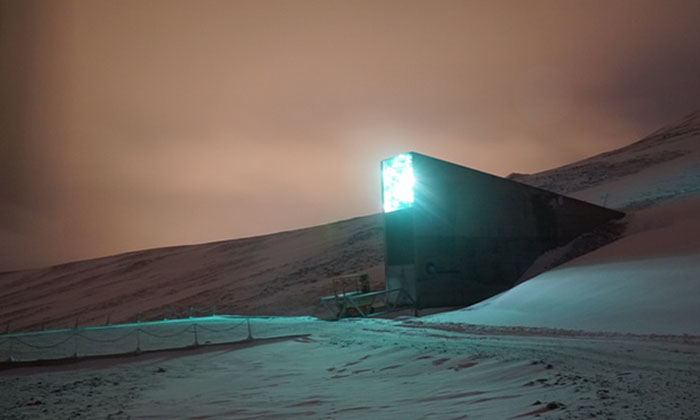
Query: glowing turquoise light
[398,181]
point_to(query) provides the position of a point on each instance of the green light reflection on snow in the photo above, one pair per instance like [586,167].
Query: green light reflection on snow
[398,181]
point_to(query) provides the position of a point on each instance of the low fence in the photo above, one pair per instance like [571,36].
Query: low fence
[154,315]
[138,337]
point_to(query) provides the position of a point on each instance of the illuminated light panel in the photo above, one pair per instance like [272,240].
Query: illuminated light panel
[398,181]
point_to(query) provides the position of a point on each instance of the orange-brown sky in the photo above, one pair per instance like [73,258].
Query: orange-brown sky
[133,124]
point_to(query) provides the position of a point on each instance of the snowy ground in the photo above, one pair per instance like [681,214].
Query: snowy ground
[377,369]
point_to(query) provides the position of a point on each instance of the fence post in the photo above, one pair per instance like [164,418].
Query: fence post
[250,332]
[191,312]
[75,342]
[9,352]
[196,341]
[213,310]
[138,340]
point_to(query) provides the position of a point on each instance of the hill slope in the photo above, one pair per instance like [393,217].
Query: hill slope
[648,281]
[662,166]
[279,274]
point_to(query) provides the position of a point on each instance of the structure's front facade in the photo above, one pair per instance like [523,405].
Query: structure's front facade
[455,236]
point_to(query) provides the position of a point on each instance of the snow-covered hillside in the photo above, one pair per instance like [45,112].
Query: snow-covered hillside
[648,281]
[662,166]
[279,274]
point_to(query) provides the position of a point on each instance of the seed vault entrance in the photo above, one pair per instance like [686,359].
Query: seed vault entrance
[455,236]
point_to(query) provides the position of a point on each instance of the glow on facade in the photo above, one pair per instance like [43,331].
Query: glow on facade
[398,181]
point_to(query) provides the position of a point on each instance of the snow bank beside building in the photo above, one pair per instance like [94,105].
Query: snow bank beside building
[647,282]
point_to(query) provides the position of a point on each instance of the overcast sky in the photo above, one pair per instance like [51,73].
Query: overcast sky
[134,124]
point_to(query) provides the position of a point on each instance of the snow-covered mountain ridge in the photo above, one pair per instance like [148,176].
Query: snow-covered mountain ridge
[666,145]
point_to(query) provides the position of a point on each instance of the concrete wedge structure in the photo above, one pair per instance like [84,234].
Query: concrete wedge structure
[455,236]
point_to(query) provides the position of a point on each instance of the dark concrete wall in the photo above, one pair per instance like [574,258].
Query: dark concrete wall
[471,235]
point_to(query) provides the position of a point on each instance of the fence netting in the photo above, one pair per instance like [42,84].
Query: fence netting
[142,337]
